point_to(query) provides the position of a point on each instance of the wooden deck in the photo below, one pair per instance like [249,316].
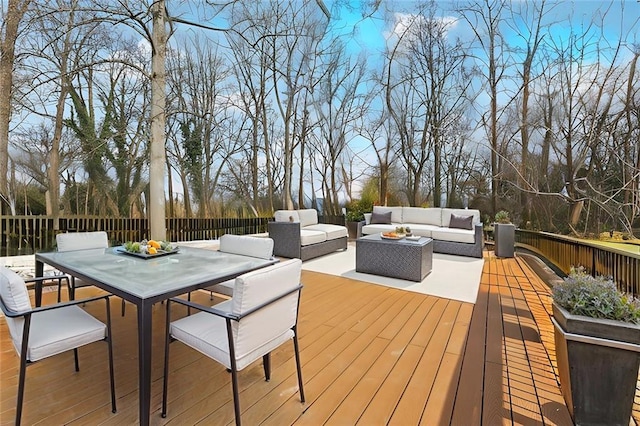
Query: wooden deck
[370,355]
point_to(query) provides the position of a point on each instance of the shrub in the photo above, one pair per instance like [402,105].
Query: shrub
[582,294]
[502,217]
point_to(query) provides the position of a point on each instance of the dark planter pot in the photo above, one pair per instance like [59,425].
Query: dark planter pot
[504,239]
[598,364]
[354,229]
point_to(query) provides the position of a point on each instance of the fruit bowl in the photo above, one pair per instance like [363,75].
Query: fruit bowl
[391,236]
[148,249]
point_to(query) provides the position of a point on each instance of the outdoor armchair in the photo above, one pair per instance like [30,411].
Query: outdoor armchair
[261,316]
[72,241]
[42,332]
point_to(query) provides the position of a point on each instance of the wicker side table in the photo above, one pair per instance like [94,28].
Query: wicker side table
[403,259]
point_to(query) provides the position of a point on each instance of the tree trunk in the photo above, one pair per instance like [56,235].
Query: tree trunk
[158,99]
[14,13]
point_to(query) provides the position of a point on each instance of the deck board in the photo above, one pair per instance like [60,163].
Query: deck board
[370,355]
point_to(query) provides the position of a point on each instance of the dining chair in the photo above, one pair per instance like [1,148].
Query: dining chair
[41,332]
[244,245]
[72,241]
[261,316]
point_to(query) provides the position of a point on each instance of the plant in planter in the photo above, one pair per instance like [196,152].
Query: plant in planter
[353,218]
[504,235]
[597,338]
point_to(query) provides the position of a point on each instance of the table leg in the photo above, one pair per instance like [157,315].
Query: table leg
[144,360]
[38,284]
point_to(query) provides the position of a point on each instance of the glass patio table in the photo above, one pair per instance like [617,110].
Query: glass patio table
[144,282]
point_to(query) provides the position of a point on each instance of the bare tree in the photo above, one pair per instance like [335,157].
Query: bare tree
[339,105]
[11,18]
[484,18]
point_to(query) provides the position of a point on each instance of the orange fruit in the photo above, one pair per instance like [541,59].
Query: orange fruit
[152,250]
[154,244]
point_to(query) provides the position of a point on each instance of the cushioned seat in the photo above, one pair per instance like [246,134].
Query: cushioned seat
[454,231]
[308,237]
[332,231]
[261,316]
[42,332]
[455,235]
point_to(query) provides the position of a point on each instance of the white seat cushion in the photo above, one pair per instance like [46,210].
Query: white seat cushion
[422,229]
[247,245]
[332,231]
[308,237]
[454,235]
[59,330]
[207,334]
[376,228]
[225,288]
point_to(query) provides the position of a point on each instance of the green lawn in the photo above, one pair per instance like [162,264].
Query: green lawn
[629,246]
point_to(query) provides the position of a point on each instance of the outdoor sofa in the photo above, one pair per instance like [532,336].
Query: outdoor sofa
[297,234]
[454,231]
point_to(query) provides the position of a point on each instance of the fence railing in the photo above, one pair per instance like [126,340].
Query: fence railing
[566,252]
[30,234]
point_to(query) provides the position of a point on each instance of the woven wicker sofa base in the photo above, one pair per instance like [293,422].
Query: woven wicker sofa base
[320,249]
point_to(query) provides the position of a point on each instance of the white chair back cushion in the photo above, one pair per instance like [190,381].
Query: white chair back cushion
[286,216]
[308,217]
[270,323]
[246,245]
[15,297]
[82,240]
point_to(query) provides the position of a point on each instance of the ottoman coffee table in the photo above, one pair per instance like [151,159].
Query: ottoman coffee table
[404,259]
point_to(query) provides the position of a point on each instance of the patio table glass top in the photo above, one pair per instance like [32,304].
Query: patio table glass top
[145,278]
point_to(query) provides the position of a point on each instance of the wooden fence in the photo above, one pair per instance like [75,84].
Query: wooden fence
[566,252]
[30,234]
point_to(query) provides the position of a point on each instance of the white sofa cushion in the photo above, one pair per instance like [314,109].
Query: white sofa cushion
[454,235]
[246,245]
[286,216]
[333,231]
[421,229]
[396,212]
[308,217]
[427,216]
[367,218]
[446,215]
[308,237]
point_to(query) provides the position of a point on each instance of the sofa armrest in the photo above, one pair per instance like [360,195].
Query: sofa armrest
[479,232]
[286,238]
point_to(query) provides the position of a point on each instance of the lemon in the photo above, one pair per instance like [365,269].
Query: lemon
[152,250]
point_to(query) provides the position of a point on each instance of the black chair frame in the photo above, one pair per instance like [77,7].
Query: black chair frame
[25,344]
